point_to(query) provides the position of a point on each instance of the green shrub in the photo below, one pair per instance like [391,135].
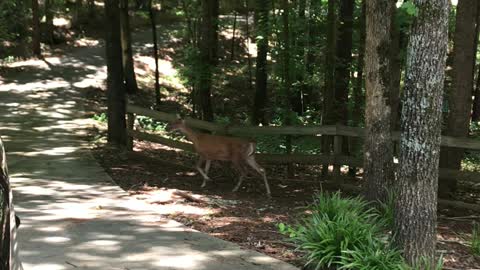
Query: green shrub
[475,242]
[343,233]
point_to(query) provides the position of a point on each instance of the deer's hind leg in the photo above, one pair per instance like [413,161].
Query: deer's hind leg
[199,169]
[251,161]
[238,165]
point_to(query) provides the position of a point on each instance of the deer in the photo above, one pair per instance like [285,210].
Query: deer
[240,152]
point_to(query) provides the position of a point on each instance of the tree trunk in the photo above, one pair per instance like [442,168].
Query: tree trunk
[299,37]
[395,72]
[76,13]
[91,9]
[35,29]
[49,21]
[416,188]
[153,25]
[232,49]
[247,33]
[460,98]
[127,56]
[208,46]
[344,60]
[261,76]
[115,87]
[5,236]
[476,100]
[311,98]
[328,117]
[378,148]
[358,95]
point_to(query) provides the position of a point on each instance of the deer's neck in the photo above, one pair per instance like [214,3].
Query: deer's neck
[191,135]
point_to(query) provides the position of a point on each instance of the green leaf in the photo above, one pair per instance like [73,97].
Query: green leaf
[410,8]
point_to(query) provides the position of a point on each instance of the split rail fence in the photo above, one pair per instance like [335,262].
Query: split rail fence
[336,158]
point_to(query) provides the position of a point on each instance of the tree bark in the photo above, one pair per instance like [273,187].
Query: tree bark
[262,29]
[117,134]
[378,148]
[127,55]
[91,9]
[36,29]
[416,188]
[460,98]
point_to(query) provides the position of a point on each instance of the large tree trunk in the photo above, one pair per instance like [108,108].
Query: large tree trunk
[299,37]
[262,29]
[416,188]
[208,55]
[36,29]
[115,87]
[127,57]
[378,149]
[328,117]
[460,98]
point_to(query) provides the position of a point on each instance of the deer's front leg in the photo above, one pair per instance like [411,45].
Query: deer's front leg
[199,169]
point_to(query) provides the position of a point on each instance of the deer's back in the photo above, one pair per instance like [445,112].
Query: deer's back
[216,147]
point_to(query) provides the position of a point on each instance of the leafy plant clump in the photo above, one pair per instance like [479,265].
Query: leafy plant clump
[343,233]
[475,242]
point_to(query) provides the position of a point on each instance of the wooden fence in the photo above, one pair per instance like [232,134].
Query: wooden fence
[338,132]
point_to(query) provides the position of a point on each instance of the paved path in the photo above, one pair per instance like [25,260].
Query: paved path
[73,216]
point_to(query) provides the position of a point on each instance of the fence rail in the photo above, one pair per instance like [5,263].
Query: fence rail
[338,131]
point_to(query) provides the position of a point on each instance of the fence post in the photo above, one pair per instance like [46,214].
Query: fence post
[130,123]
[337,151]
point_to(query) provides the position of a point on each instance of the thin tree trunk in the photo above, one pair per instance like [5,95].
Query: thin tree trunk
[460,98]
[91,9]
[153,25]
[310,98]
[127,55]
[35,29]
[378,148]
[208,46]
[49,21]
[262,29]
[115,87]
[358,95]
[287,80]
[416,188]
[344,60]
[395,73]
[328,117]
[232,49]
[76,13]
[249,57]
[476,100]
